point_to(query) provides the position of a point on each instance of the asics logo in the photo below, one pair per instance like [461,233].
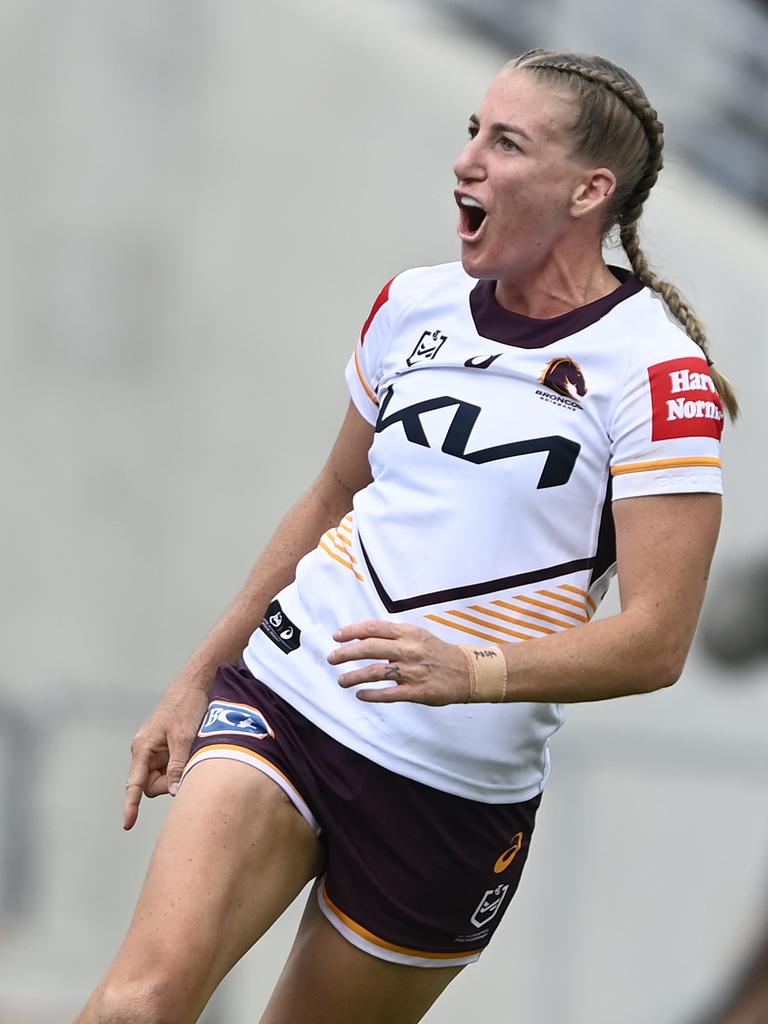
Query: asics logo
[509,855]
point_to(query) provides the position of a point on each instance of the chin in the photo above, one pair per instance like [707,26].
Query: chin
[474,266]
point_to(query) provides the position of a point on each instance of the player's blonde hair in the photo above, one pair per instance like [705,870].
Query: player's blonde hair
[617,127]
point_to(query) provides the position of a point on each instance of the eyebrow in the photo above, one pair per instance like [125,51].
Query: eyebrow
[501,126]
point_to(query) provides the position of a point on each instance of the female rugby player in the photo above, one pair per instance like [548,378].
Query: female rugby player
[521,423]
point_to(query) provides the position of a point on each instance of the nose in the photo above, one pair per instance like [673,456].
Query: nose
[470,166]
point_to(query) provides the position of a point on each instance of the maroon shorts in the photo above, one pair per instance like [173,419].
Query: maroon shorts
[413,875]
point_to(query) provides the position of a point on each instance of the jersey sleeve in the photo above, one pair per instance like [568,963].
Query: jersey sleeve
[363,371]
[665,433]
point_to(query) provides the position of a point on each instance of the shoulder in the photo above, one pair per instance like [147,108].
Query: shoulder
[424,284]
[667,381]
[651,332]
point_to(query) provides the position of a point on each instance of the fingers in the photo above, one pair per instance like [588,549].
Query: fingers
[423,669]
[178,755]
[378,640]
[380,628]
[134,788]
[380,672]
[394,695]
[366,650]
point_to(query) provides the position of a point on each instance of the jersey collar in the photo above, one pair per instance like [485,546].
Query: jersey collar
[494,322]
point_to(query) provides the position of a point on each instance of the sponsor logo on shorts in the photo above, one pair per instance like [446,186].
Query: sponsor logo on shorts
[565,377]
[427,347]
[224,717]
[280,630]
[489,906]
[509,855]
[685,400]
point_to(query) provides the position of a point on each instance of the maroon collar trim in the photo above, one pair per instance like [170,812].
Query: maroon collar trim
[494,322]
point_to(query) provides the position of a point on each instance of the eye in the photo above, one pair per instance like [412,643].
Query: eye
[509,145]
[472,130]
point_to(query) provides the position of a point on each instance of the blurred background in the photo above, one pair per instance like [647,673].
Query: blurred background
[199,202]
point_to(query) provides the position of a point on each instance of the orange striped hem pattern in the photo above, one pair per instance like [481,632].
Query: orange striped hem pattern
[550,607]
[577,590]
[524,615]
[560,597]
[464,629]
[370,937]
[342,561]
[340,544]
[645,467]
[491,625]
[536,615]
[508,618]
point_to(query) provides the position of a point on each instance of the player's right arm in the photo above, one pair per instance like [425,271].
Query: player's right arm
[161,746]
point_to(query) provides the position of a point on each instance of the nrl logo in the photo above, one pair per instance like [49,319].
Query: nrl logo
[427,347]
[565,377]
[489,906]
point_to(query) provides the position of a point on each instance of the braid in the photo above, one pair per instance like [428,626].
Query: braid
[643,162]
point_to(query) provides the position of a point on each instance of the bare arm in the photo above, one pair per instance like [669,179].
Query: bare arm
[664,546]
[161,747]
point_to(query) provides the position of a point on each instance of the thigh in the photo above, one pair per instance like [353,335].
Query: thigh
[327,980]
[233,855]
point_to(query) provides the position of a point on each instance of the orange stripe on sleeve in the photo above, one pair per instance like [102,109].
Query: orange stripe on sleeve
[644,467]
[371,394]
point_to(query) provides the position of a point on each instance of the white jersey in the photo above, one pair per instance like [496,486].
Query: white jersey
[500,442]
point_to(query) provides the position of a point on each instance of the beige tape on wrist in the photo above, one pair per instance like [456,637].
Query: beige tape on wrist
[488,675]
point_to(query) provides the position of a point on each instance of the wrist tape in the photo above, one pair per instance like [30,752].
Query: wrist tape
[488,675]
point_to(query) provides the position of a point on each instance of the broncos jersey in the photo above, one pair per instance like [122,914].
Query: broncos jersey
[500,443]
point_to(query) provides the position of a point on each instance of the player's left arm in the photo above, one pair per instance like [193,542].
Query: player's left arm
[664,549]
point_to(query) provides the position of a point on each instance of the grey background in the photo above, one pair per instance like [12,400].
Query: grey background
[200,202]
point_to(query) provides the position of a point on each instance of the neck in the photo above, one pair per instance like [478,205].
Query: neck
[559,286]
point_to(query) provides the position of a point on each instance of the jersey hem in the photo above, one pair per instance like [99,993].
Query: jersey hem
[442,782]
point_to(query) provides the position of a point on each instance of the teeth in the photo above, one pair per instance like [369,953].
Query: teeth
[469,201]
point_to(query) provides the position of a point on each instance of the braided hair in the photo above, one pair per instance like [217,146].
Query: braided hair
[616,126]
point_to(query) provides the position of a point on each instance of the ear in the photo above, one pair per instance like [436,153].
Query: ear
[593,191]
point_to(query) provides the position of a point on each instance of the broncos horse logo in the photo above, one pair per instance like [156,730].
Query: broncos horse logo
[565,377]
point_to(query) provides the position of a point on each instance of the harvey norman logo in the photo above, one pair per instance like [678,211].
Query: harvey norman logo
[685,400]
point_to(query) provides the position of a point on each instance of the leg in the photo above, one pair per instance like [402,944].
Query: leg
[326,980]
[233,855]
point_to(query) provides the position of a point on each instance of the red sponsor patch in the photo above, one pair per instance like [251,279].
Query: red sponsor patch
[685,401]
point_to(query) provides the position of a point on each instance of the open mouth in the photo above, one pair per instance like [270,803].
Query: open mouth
[472,216]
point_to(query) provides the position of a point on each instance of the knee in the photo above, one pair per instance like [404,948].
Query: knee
[141,1001]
